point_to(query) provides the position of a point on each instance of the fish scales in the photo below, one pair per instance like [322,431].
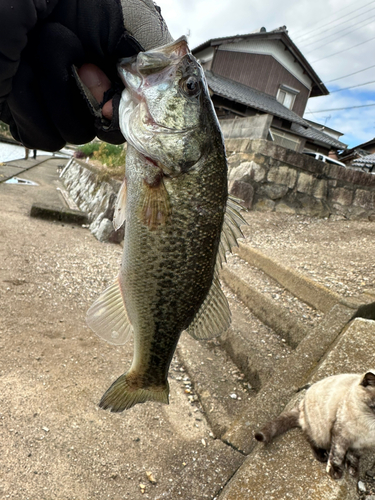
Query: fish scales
[174,203]
[168,273]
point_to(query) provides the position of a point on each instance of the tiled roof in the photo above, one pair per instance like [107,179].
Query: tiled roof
[250,97]
[365,160]
[316,135]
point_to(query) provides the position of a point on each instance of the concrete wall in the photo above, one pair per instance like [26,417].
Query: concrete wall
[94,196]
[251,127]
[270,177]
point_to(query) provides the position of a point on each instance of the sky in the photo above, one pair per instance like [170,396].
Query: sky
[337,37]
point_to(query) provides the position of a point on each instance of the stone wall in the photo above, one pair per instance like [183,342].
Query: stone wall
[270,177]
[95,196]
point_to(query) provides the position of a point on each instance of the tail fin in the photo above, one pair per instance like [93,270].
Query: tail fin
[127,391]
[283,423]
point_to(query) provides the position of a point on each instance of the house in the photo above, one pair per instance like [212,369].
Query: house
[365,163]
[263,77]
[356,156]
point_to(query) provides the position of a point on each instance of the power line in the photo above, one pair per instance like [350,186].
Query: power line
[310,112]
[345,50]
[348,27]
[350,74]
[352,87]
[347,33]
[335,20]
[339,109]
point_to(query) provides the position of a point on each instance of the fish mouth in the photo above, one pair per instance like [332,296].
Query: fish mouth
[155,59]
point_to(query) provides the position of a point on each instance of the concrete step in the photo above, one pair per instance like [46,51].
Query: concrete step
[212,377]
[288,377]
[271,302]
[227,372]
[253,346]
[306,289]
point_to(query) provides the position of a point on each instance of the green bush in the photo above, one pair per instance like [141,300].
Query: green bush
[89,148]
[111,156]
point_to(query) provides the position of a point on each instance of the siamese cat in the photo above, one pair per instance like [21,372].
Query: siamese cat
[337,415]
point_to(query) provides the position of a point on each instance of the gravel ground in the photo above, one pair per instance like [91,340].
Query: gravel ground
[335,252]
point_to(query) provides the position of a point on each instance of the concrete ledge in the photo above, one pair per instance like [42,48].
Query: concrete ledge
[58,213]
[309,291]
[277,318]
[286,470]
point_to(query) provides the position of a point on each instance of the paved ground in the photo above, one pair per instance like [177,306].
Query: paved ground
[55,442]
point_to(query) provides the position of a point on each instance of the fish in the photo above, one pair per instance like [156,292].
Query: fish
[179,222]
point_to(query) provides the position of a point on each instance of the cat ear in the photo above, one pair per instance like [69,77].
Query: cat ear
[368,379]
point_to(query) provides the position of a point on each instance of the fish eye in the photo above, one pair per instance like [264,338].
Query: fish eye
[190,86]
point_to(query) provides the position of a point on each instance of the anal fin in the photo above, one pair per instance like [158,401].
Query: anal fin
[107,316]
[213,317]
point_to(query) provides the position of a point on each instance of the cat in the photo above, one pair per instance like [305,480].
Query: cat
[337,415]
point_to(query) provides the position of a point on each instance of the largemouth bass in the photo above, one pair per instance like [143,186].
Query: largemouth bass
[178,222]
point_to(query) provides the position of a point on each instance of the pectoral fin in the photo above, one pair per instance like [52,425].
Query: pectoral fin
[156,206]
[119,215]
[213,318]
[107,316]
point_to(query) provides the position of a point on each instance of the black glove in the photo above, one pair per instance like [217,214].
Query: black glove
[41,44]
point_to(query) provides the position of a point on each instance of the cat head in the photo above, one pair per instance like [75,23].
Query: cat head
[368,382]
[368,379]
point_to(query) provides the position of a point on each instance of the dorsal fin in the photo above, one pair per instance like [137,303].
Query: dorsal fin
[231,230]
[213,317]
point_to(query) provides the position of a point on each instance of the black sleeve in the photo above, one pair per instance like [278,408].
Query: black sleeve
[43,104]
[17,18]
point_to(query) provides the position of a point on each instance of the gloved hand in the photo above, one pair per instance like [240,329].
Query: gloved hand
[53,51]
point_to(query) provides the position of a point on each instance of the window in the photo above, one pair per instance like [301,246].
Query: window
[285,140]
[286,96]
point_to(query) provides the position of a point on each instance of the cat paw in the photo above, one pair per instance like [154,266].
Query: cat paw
[352,463]
[320,454]
[334,471]
[353,471]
